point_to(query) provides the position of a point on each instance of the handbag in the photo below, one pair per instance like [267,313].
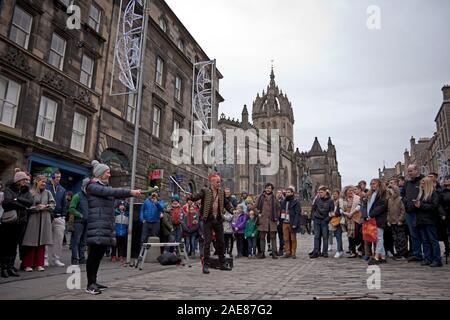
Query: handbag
[335,221]
[369,230]
[357,217]
[9,216]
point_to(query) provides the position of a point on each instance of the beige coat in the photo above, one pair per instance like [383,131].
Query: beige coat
[39,226]
[396,210]
[265,222]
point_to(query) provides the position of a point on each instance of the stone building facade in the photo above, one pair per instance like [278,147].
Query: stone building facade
[56,110]
[166,106]
[273,110]
[433,154]
[51,84]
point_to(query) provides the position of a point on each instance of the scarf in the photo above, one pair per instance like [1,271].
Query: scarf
[371,202]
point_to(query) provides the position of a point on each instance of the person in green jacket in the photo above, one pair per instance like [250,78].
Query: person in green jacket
[250,234]
[78,213]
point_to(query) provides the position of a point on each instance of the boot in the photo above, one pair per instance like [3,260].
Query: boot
[10,269]
[3,267]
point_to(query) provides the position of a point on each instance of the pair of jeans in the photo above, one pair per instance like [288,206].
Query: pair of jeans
[190,242]
[338,235]
[150,229]
[320,234]
[380,243]
[121,246]
[229,241]
[290,240]
[78,241]
[239,244]
[414,234]
[431,248]
[96,253]
[251,246]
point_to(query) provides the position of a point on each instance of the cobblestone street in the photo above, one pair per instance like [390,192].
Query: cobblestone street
[280,279]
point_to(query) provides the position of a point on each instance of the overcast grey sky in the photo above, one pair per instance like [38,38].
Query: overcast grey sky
[370,90]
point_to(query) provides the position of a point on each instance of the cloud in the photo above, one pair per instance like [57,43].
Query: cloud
[370,90]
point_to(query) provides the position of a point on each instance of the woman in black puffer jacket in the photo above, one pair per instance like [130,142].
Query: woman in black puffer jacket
[427,217]
[100,231]
[17,197]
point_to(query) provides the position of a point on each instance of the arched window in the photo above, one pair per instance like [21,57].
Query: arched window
[115,158]
[163,24]
[180,45]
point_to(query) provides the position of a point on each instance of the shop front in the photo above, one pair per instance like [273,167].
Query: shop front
[71,174]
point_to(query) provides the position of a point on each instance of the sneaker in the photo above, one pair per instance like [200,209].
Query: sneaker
[113,259]
[338,255]
[324,255]
[294,257]
[74,262]
[46,263]
[40,268]
[122,259]
[414,259]
[314,256]
[425,263]
[330,249]
[366,258]
[436,264]
[59,263]
[390,255]
[399,258]
[28,269]
[93,289]
[101,287]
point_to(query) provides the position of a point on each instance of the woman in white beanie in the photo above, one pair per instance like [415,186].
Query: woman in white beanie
[17,199]
[100,226]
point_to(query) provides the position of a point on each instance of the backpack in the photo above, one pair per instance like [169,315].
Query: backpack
[176,216]
[167,259]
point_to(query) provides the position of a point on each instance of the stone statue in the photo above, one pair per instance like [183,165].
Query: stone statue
[306,187]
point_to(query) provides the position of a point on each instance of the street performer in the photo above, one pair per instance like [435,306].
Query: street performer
[213,204]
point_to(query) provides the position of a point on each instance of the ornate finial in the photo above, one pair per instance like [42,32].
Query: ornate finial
[272,76]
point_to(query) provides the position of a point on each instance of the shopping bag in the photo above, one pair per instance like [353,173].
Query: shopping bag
[369,230]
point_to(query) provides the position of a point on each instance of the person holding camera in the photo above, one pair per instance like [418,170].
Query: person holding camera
[150,216]
[17,199]
[38,233]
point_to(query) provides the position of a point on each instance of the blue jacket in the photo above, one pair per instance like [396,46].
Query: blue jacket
[60,199]
[121,222]
[150,212]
